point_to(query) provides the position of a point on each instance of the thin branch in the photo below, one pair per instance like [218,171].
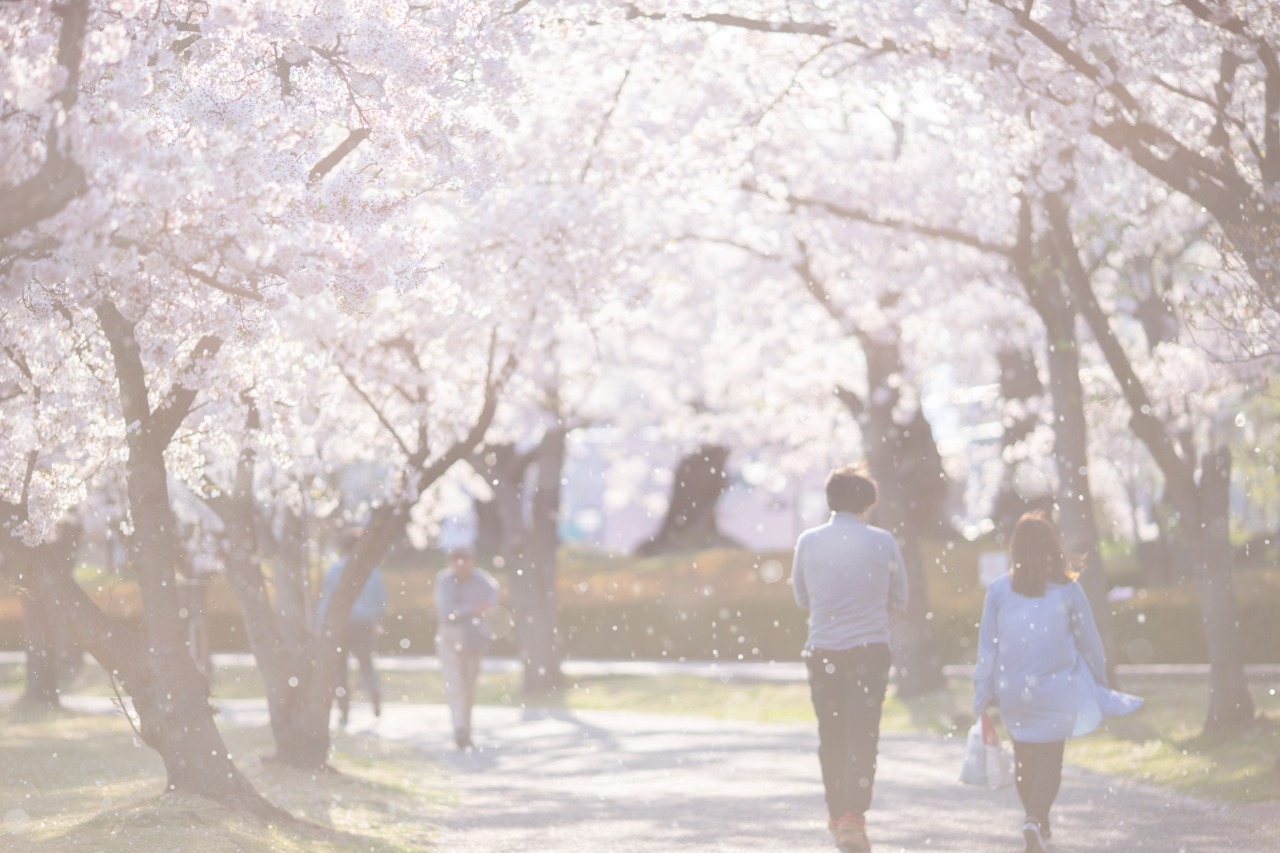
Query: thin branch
[604,126]
[953,235]
[119,703]
[459,450]
[791,84]
[377,412]
[727,241]
[814,29]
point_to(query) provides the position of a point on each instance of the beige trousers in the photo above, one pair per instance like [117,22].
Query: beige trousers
[460,670]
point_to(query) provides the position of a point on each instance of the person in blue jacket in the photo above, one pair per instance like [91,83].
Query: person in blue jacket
[358,640]
[1041,662]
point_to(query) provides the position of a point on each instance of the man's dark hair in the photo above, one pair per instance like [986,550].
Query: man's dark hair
[848,490]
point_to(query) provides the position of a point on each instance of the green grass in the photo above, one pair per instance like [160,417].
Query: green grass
[1161,743]
[73,782]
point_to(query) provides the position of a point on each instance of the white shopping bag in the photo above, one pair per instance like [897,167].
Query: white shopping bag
[987,761]
[974,769]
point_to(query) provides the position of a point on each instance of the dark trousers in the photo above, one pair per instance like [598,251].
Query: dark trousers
[847,688]
[357,642]
[1039,776]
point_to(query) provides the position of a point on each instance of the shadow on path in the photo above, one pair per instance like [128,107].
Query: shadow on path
[593,781]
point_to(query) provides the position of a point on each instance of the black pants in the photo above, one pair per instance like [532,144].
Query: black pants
[1039,776]
[357,641]
[848,688]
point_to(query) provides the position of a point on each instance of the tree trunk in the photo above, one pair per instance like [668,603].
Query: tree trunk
[279,660]
[1230,703]
[904,461]
[528,543]
[690,522]
[1076,514]
[1019,383]
[169,694]
[52,655]
[301,666]
[302,733]
[534,590]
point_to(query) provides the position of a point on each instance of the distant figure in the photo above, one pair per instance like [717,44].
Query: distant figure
[363,627]
[1041,662]
[849,577]
[463,594]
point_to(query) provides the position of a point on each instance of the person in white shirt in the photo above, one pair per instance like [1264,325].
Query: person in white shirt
[463,594]
[849,577]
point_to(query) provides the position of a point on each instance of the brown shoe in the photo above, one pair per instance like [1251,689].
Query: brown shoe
[850,831]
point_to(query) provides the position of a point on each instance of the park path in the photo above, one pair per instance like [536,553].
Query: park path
[573,782]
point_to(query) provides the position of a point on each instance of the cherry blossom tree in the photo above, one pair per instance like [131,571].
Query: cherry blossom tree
[181,174]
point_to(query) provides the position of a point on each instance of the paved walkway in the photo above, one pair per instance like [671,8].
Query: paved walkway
[585,782]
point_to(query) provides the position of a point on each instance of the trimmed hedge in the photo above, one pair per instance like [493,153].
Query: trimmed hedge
[737,605]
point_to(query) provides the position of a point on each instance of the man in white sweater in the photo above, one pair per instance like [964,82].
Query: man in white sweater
[849,577]
[463,595]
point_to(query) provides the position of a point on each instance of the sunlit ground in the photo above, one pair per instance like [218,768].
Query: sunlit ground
[1161,743]
[81,782]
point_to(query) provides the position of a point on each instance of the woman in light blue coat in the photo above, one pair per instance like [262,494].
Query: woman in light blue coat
[1041,662]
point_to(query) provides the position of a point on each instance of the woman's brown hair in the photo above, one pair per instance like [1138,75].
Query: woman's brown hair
[1036,555]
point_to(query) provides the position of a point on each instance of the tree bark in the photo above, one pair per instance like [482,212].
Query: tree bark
[170,695]
[690,523]
[47,641]
[1019,383]
[904,461]
[1231,705]
[1076,514]
[528,544]
[534,591]
[265,621]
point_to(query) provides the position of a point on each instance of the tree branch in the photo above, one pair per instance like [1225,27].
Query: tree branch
[378,413]
[60,179]
[818,29]
[461,448]
[1149,429]
[953,235]
[334,157]
[169,415]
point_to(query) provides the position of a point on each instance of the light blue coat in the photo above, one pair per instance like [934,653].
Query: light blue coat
[371,604]
[1041,662]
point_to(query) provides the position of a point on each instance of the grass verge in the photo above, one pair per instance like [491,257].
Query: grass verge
[1161,743]
[74,782]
